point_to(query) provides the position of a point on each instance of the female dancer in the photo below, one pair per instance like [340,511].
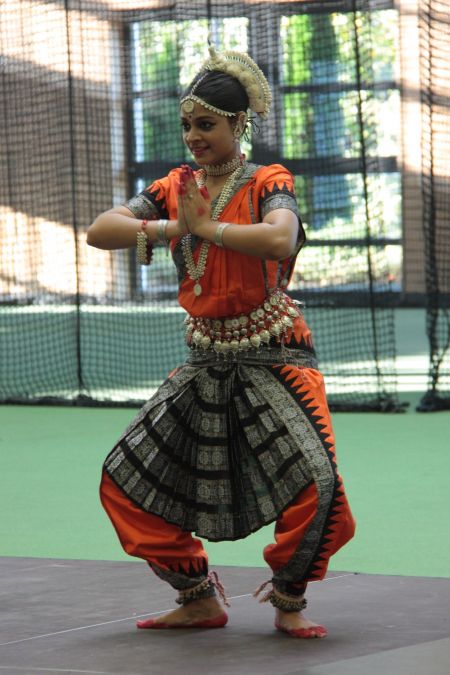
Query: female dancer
[240,435]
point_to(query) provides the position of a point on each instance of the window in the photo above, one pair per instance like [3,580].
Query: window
[335,125]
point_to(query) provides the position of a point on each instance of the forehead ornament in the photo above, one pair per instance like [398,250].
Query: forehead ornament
[187,106]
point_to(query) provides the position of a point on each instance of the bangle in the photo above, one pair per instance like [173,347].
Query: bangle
[144,248]
[161,228]
[218,237]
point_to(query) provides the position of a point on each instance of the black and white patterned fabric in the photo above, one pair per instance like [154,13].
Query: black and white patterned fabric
[220,450]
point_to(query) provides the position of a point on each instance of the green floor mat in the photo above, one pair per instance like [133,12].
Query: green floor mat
[395,469]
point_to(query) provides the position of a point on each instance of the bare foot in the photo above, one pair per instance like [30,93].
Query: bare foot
[298,625]
[197,611]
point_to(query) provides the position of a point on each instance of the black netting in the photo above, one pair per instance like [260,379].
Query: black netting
[89,117]
[435,74]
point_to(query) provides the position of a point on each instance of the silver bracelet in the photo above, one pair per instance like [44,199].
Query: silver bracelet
[218,236]
[161,227]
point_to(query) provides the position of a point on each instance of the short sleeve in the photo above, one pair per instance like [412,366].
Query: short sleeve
[278,192]
[150,204]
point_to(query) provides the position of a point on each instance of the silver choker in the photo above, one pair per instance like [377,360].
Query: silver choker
[223,169]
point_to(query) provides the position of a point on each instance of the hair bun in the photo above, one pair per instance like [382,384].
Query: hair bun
[242,67]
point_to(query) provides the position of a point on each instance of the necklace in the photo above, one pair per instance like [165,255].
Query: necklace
[222,169]
[196,271]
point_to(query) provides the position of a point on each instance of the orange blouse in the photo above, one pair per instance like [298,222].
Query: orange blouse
[233,282]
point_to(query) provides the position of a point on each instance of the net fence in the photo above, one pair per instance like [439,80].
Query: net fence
[435,76]
[89,108]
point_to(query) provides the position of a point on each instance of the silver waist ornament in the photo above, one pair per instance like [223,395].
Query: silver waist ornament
[272,319]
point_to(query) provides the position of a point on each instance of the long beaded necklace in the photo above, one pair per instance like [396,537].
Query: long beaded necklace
[196,271]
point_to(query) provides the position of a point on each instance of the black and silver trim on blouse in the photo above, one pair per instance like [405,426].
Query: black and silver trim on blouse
[147,206]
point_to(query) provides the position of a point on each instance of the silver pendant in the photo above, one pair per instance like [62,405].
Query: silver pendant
[197,289]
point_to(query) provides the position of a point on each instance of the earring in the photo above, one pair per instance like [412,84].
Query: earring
[237,132]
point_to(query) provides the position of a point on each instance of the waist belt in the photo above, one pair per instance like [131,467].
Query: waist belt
[273,319]
[266,356]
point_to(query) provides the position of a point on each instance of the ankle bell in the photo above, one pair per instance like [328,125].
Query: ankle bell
[281,601]
[205,589]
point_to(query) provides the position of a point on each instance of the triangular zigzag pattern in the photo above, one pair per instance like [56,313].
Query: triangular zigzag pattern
[160,204]
[318,414]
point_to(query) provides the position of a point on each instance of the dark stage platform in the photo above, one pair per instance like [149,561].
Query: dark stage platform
[68,616]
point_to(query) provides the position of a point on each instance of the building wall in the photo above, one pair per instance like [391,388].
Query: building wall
[411,159]
[63,146]
[62,113]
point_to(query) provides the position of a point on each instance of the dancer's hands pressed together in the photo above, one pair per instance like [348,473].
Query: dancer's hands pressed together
[194,206]
[272,239]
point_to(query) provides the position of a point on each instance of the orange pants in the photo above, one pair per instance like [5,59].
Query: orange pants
[175,555]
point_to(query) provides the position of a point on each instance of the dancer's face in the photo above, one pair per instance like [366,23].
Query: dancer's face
[209,136]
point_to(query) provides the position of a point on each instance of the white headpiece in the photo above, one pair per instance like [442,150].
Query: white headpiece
[245,70]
